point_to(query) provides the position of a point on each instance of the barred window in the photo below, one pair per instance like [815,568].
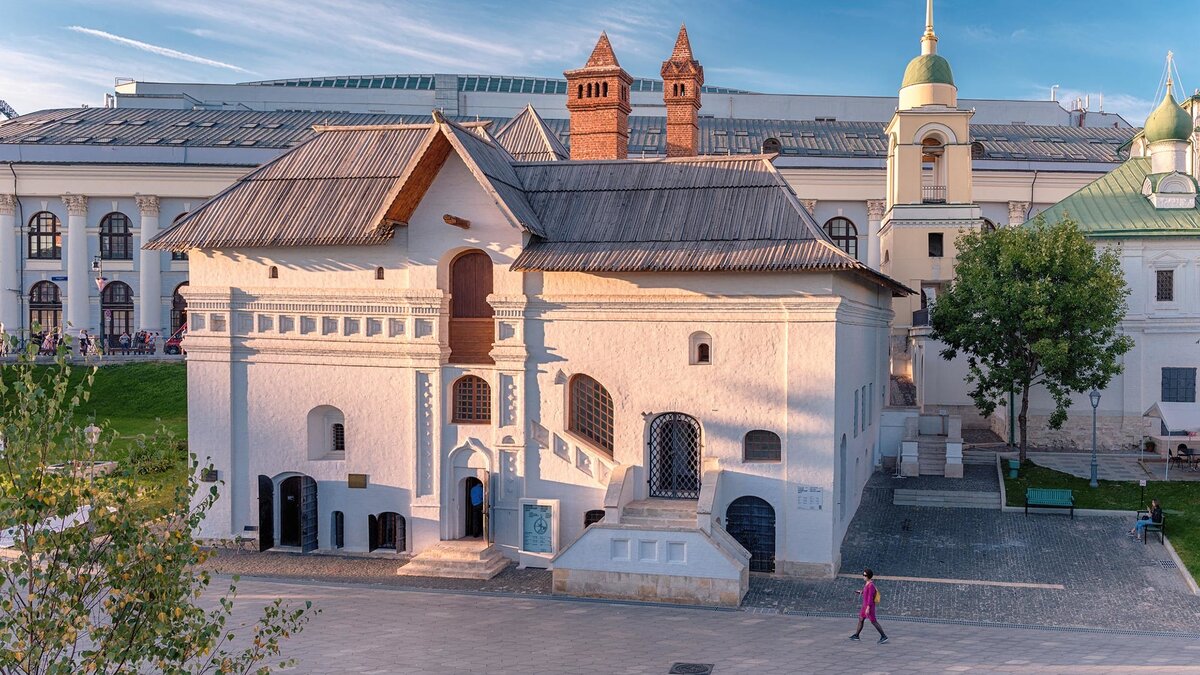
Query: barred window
[116,241]
[762,446]
[45,237]
[844,234]
[1164,287]
[591,413]
[1178,385]
[472,401]
[339,437]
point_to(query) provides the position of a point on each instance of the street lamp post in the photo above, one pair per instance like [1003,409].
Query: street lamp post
[98,268]
[1095,396]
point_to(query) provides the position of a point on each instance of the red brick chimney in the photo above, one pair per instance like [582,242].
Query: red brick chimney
[598,99]
[683,76]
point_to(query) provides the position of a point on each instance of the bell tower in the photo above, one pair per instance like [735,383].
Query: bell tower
[598,100]
[683,77]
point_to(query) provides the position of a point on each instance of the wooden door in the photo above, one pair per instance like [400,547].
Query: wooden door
[472,327]
[266,513]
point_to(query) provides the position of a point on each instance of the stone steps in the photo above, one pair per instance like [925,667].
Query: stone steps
[948,499]
[655,522]
[979,457]
[660,513]
[463,559]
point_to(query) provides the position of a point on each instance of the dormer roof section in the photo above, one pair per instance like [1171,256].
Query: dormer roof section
[528,139]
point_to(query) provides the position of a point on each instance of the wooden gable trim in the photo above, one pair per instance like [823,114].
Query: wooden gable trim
[410,189]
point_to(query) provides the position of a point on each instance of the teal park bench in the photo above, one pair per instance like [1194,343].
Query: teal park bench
[1049,498]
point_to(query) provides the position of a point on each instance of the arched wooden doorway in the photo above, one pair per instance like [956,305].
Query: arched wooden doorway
[266,512]
[751,521]
[298,513]
[675,457]
[472,328]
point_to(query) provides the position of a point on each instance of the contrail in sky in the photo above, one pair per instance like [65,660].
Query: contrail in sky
[155,49]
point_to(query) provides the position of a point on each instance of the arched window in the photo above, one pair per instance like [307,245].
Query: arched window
[116,241]
[762,446]
[45,237]
[604,89]
[580,91]
[45,306]
[339,529]
[771,146]
[472,328]
[844,234]
[273,273]
[591,412]
[675,89]
[682,89]
[326,433]
[179,255]
[988,226]
[700,347]
[592,517]
[178,309]
[472,401]
[977,150]
[378,274]
[116,306]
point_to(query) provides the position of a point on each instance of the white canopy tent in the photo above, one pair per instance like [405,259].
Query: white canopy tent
[1177,417]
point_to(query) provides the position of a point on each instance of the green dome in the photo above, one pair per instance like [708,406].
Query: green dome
[1168,122]
[928,69]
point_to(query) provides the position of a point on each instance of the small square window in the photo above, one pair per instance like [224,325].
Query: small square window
[1178,385]
[1164,286]
[935,245]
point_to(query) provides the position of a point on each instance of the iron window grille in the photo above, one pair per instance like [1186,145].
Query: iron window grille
[45,237]
[338,432]
[675,457]
[1164,287]
[844,234]
[472,401]
[1178,385]
[591,412]
[116,240]
[936,247]
[762,446]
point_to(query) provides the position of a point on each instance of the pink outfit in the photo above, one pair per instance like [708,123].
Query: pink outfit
[868,602]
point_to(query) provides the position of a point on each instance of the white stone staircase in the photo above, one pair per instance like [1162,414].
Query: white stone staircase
[660,513]
[461,559]
[931,455]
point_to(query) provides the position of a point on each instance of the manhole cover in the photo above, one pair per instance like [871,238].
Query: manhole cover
[691,669]
[1166,564]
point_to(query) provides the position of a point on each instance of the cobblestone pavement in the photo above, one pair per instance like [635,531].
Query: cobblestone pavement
[976,478]
[378,631]
[1108,579]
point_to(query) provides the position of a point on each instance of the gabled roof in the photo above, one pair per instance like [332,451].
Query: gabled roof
[348,187]
[1114,206]
[528,138]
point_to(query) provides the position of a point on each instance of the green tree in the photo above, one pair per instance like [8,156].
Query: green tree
[121,593]
[1033,306]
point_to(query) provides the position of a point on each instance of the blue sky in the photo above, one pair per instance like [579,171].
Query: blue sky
[57,53]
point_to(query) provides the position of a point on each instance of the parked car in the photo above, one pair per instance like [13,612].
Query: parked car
[174,344]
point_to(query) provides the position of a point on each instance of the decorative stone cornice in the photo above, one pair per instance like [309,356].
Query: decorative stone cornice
[147,204]
[810,205]
[8,204]
[77,205]
[875,209]
[1017,212]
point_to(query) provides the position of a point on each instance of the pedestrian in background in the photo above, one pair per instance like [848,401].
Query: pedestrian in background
[870,597]
[124,340]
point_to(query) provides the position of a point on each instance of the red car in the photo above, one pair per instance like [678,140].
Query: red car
[174,344]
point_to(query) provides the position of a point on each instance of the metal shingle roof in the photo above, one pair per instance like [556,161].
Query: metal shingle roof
[1114,206]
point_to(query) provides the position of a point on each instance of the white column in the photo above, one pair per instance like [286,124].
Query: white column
[150,268]
[10,282]
[875,209]
[1018,212]
[78,265]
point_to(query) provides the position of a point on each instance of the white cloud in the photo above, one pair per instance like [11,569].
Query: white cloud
[155,49]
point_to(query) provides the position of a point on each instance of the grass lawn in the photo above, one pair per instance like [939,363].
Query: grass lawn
[133,399]
[1180,501]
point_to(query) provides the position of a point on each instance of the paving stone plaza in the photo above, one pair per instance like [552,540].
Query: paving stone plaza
[381,630]
[963,589]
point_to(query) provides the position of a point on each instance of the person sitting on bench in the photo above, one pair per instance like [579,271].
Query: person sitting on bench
[1155,517]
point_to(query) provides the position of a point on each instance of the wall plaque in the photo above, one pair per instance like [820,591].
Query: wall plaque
[539,531]
[356,480]
[810,497]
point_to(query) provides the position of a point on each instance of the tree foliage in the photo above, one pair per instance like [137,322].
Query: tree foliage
[123,592]
[1033,306]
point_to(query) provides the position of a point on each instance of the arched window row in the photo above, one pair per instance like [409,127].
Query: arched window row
[472,401]
[591,411]
[116,238]
[844,234]
[45,306]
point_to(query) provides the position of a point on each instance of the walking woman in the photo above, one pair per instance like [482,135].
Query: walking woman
[870,597]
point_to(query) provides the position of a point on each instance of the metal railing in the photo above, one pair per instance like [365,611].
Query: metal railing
[933,194]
